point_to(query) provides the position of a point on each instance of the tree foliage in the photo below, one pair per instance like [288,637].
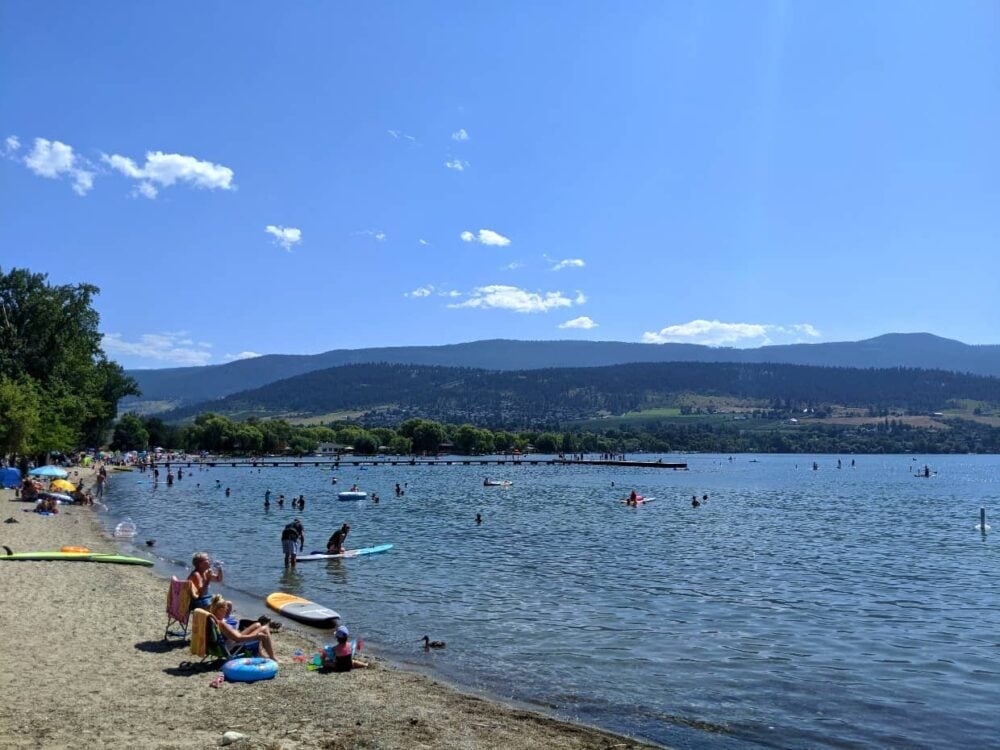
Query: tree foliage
[60,391]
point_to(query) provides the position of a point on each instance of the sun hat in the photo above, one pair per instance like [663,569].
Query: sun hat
[341,632]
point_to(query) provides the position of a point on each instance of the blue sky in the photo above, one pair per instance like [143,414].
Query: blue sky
[250,177]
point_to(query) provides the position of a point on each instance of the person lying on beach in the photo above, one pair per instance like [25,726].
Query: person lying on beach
[200,578]
[220,609]
[340,658]
[47,505]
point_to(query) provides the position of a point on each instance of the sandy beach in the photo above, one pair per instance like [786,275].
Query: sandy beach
[86,666]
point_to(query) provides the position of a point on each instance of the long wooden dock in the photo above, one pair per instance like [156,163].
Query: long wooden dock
[333,463]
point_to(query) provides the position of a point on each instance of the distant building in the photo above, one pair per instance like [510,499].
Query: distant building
[331,449]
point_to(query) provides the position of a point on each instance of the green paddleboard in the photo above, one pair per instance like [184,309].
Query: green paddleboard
[78,557]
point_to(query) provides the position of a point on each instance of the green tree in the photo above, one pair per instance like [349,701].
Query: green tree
[130,434]
[49,335]
[19,416]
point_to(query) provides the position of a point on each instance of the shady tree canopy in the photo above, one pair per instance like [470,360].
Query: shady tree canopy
[58,390]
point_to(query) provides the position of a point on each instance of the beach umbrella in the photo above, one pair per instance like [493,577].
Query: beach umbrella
[48,471]
[10,477]
[62,484]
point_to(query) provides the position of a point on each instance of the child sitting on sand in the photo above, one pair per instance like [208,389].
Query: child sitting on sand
[340,658]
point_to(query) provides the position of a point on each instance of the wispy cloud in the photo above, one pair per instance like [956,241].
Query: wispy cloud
[54,160]
[583,322]
[423,242]
[284,236]
[421,291]
[240,355]
[512,266]
[11,145]
[460,135]
[485,237]
[163,170]
[568,263]
[717,333]
[457,164]
[400,135]
[375,234]
[504,297]
[172,347]
[581,298]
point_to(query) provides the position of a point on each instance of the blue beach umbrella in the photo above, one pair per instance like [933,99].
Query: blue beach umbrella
[48,471]
[10,477]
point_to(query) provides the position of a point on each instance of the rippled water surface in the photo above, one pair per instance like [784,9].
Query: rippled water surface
[838,607]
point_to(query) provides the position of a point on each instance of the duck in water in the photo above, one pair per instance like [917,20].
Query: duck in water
[429,644]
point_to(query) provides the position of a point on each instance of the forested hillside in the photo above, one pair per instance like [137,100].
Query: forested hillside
[188,385]
[550,397]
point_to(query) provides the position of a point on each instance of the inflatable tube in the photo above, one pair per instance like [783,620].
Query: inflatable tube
[352,495]
[249,670]
[74,549]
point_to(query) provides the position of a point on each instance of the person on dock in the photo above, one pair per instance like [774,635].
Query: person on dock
[335,545]
[293,538]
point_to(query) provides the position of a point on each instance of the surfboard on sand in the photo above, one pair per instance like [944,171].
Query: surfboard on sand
[303,610]
[77,557]
[320,555]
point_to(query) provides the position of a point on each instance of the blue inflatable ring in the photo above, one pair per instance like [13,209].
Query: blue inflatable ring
[249,670]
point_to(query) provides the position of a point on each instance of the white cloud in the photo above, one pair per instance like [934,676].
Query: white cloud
[284,236]
[582,322]
[457,164]
[11,144]
[581,298]
[460,135]
[54,159]
[568,263]
[164,170]
[241,355]
[450,293]
[397,134]
[174,348]
[485,237]
[376,234]
[512,266]
[421,291]
[503,297]
[423,242]
[717,333]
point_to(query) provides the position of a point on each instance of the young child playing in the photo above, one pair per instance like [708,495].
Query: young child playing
[340,658]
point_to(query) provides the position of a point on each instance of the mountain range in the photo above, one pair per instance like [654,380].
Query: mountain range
[178,387]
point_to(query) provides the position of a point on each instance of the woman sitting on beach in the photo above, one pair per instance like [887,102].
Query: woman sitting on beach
[220,609]
[200,578]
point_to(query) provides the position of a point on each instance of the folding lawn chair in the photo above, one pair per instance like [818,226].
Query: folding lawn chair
[178,608]
[208,642]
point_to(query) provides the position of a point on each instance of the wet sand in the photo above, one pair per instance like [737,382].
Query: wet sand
[86,666]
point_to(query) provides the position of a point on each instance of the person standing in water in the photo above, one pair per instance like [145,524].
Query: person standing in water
[292,539]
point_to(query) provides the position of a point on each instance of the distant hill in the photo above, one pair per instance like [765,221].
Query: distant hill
[549,397]
[177,387]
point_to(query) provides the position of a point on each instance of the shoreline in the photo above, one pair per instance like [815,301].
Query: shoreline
[93,670]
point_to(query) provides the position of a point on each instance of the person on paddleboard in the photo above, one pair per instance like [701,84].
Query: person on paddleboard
[335,545]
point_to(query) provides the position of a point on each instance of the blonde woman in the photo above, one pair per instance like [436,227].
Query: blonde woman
[220,609]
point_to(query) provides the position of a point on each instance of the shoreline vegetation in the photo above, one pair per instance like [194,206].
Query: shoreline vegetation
[87,666]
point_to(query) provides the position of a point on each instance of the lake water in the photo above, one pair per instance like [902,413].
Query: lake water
[797,608]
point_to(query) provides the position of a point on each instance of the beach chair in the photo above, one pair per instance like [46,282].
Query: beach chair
[178,609]
[208,642]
